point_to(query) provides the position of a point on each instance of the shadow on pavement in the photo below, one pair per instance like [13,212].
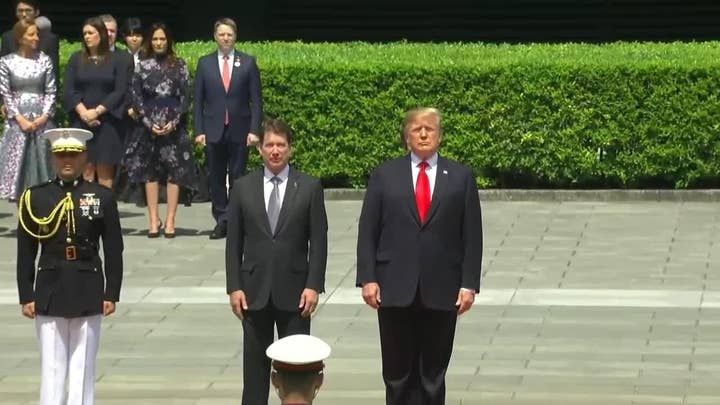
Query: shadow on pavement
[179,232]
[125,214]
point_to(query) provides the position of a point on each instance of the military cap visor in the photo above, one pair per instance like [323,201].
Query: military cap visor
[68,140]
[298,353]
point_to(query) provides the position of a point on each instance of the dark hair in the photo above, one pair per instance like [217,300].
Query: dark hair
[278,127]
[32,3]
[19,29]
[132,26]
[104,45]
[148,51]
[297,381]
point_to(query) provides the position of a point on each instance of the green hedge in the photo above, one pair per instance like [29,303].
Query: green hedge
[569,115]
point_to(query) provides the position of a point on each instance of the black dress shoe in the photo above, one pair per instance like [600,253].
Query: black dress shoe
[219,232]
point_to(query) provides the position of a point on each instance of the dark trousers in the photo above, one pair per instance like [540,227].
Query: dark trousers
[258,334]
[416,344]
[223,157]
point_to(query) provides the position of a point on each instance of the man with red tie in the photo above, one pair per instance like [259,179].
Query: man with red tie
[227,114]
[419,254]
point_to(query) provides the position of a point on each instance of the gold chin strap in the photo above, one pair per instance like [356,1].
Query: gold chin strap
[64,209]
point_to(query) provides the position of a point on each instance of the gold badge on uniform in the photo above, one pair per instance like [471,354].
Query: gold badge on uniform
[89,202]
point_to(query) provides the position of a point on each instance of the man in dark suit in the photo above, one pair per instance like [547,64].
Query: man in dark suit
[28,10]
[227,115]
[419,253]
[120,183]
[276,254]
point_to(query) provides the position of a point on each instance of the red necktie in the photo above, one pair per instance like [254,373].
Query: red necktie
[226,82]
[226,73]
[422,191]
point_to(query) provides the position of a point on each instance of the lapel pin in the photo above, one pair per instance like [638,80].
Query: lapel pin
[444,171]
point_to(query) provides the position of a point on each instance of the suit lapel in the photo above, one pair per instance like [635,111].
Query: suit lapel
[409,188]
[235,69]
[291,189]
[217,73]
[441,181]
[260,202]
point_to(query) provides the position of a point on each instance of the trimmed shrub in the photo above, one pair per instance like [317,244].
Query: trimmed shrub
[559,116]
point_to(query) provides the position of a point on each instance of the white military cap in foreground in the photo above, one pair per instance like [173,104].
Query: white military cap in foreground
[298,353]
[68,139]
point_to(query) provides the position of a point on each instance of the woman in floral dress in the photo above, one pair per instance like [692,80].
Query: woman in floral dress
[160,150]
[27,86]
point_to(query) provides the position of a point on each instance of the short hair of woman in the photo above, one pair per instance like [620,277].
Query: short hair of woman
[19,30]
[132,26]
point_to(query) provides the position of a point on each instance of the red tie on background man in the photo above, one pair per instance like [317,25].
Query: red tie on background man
[226,82]
[422,191]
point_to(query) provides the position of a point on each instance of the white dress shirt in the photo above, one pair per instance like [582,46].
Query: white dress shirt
[431,170]
[230,61]
[136,56]
[268,185]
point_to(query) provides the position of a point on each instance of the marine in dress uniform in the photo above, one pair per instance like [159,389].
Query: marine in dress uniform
[68,292]
[297,362]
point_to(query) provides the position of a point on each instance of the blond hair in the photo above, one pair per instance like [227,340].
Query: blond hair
[412,114]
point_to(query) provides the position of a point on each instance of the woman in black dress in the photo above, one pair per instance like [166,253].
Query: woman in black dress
[96,81]
[132,35]
[161,149]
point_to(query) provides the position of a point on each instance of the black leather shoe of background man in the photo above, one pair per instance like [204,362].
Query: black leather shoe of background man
[219,232]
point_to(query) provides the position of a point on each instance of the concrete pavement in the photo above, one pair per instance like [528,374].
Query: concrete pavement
[582,303]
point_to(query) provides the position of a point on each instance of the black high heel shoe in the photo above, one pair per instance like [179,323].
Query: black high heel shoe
[156,234]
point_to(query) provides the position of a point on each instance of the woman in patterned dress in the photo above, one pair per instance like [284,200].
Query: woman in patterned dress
[27,86]
[161,149]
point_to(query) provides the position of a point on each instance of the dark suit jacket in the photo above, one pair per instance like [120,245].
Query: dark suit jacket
[403,256]
[260,263]
[243,101]
[49,44]
[124,58]
[74,288]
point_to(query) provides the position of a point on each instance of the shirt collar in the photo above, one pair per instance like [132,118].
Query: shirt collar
[63,183]
[432,162]
[231,55]
[283,175]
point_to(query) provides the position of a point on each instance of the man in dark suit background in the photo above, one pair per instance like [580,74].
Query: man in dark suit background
[276,252]
[227,115]
[28,10]
[121,185]
[419,254]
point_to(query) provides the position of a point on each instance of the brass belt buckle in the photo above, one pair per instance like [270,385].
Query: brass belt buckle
[70,253]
